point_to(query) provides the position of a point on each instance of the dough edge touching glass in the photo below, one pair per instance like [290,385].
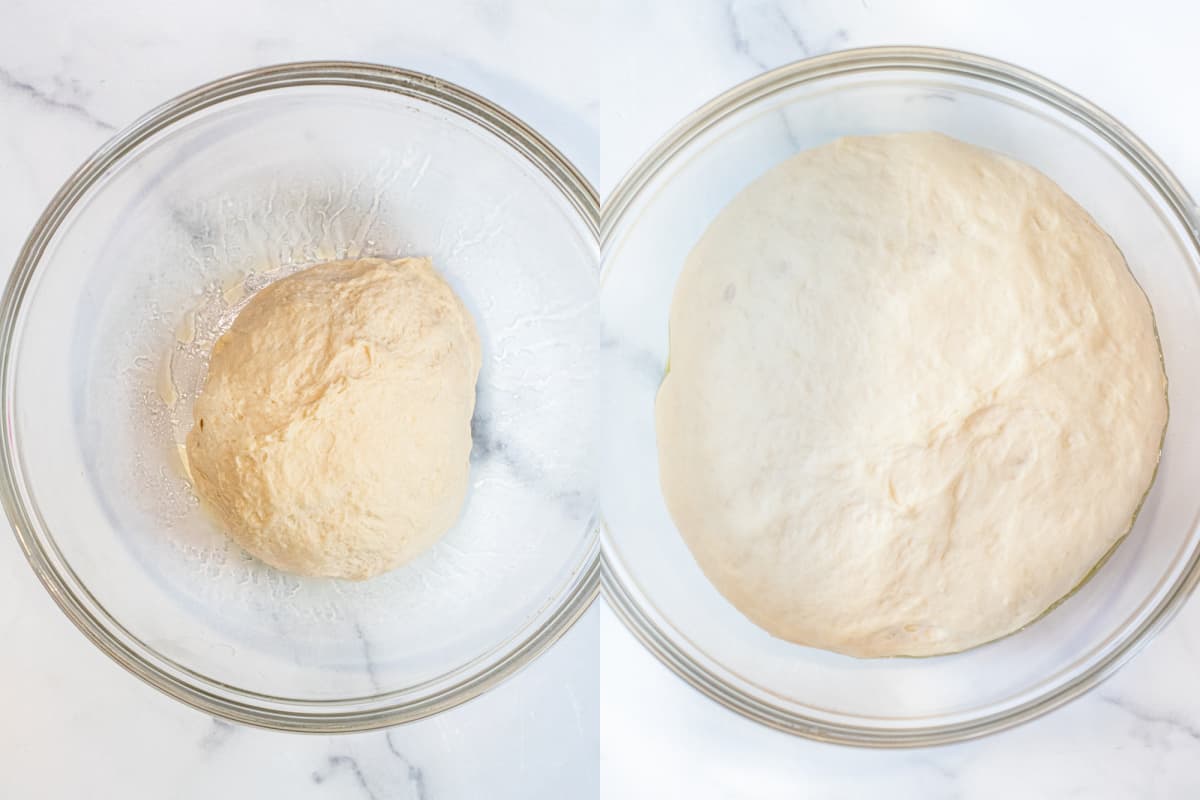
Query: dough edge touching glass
[738,274]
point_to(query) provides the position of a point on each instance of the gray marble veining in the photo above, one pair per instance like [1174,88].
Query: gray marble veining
[51,100]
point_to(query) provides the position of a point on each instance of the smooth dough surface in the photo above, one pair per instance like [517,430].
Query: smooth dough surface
[915,396]
[333,432]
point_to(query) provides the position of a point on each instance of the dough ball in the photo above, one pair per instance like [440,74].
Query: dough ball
[333,432]
[915,396]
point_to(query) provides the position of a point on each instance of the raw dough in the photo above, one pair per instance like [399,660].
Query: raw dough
[334,429]
[915,396]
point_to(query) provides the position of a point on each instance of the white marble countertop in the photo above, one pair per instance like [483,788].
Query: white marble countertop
[603,81]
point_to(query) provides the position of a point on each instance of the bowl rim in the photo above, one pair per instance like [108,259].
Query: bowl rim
[620,591]
[460,684]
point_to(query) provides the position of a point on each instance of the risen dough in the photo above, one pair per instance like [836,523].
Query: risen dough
[914,397]
[334,429]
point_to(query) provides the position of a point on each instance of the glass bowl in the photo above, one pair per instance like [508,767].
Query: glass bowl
[144,257]
[649,225]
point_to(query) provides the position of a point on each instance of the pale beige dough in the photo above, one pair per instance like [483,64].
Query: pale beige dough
[915,396]
[333,432]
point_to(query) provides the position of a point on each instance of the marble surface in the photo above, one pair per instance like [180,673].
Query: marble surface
[602,81]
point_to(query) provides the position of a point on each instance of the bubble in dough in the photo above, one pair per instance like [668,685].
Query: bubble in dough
[333,432]
[915,396]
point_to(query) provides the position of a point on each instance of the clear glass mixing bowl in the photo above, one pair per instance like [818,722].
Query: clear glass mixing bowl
[144,257]
[652,221]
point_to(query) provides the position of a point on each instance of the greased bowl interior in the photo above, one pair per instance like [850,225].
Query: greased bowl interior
[145,256]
